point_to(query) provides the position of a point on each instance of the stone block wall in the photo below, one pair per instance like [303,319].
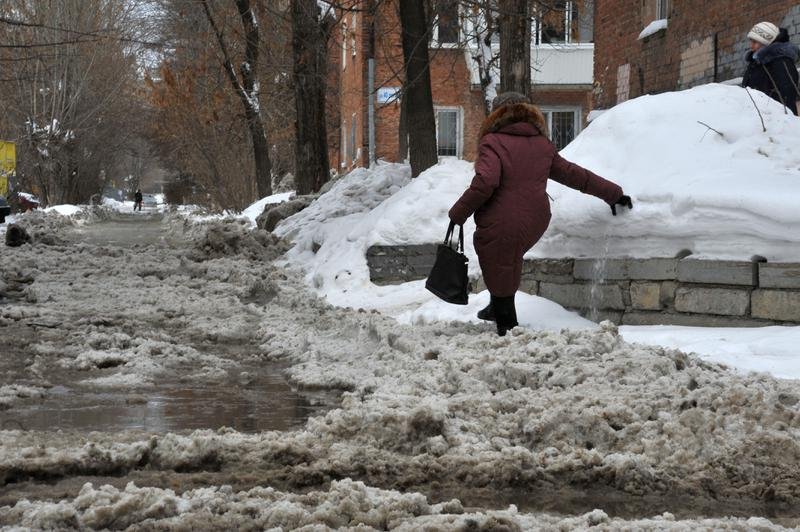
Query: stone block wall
[668,291]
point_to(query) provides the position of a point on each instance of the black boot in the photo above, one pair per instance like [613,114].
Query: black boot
[487,313]
[505,314]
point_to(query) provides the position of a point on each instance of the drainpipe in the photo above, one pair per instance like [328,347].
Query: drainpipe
[371,108]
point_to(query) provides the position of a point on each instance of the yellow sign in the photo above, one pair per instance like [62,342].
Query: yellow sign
[8,164]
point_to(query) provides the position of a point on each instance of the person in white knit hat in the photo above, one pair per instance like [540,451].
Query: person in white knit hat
[772,64]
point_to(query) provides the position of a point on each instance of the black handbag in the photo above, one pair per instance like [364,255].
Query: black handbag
[448,278]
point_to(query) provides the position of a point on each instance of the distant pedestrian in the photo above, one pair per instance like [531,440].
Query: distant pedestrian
[772,64]
[508,196]
[137,200]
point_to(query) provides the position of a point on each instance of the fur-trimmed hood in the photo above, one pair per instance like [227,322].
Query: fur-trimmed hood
[774,51]
[514,114]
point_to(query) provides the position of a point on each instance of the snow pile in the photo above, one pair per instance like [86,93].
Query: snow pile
[345,505]
[726,194]
[118,206]
[231,237]
[253,211]
[64,210]
[730,194]
[384,206]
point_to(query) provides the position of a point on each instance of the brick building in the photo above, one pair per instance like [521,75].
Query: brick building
[690,42]
[562,62]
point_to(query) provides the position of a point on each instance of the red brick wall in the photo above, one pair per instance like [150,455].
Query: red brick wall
[704,42]
[450,84]
[352,86]
[451,87]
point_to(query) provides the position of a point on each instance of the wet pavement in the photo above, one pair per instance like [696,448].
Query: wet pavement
[265,403]
[248,399]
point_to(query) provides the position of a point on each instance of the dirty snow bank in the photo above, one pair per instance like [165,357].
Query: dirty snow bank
[728,195]
[472,410]
[369,206]
[129,317]
[255,209]
[452,403]
[345,505]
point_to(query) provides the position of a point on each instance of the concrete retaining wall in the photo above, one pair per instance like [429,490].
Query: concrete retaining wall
[670,291]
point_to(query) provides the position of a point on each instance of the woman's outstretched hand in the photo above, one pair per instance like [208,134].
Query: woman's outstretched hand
[624,201]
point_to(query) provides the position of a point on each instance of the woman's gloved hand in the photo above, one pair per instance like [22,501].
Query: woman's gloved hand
[624,201]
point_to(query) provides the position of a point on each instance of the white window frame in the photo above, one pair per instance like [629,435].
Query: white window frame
[577,116]
[459,129]
[459,39]
[537,30]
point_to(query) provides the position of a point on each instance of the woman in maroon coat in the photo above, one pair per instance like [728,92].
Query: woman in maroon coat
[508,196]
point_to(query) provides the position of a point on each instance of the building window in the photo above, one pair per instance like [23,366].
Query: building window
[448,131]
[447,29]
[563,22]
[563,125]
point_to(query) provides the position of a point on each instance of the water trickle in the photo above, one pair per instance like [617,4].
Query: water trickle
[598,277]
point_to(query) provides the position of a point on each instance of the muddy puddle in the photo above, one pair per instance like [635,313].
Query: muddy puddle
[124,230]
[266,403]
[254,396]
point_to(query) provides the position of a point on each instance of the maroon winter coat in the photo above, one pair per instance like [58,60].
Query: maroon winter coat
[509,192]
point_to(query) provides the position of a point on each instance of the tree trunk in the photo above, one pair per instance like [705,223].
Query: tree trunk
[309,47]
[247,89]
[515,46]
[420,122]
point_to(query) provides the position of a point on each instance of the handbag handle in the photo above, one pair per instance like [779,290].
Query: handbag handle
[448,239]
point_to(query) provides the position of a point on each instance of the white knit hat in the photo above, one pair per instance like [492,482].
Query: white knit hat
[764,32]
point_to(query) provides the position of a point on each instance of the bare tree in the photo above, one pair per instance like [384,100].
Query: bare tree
[515,46]
[418,105]
[479,34]
[248,88]
[310,33]
[71,99]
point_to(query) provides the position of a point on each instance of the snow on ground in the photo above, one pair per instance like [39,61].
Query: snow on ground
[118,206]
[775,350]
[344,505]
[426,402]
[534,312]
[723,196]
[728,195]
[429,403]
[64,210]
[253,211]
